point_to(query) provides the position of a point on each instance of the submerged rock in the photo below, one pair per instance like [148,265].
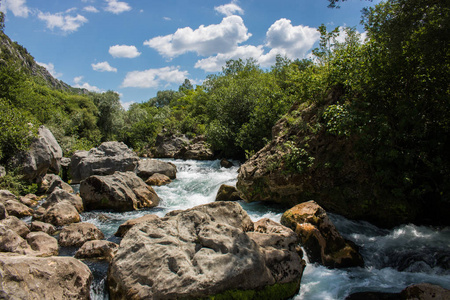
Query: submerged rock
[27,277]
[122,191]
[227,193]
[203,252]
[320,238]
[108,158]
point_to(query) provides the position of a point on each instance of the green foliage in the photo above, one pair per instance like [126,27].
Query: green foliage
[13,182]
[297,159]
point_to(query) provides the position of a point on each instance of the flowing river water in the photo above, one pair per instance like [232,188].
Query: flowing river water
[393,258]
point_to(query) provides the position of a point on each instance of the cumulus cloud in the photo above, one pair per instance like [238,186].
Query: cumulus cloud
[152,78]
[91,9]
[19,8]
[103,67]
[63,21]
[229,9]
[117,7]
[205,40]
[215,63]
[84,85]
[50,68]
[124,51]
[292,41]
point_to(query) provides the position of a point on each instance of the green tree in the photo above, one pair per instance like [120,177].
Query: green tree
[110,115]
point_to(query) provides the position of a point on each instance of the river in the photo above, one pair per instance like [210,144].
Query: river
[393,258]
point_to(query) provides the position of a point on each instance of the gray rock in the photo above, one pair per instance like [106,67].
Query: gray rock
[44,156]
[158,180]
[18,226]
[197,151]
[10,241]
[60,195]
[6,195]
[97,249]
[122,191]
[43,244]
[125,227]
[200,253]
[79,233]
[27,277]
[17,209]
[148,167]
[62,213]
[3,212]
[44,227]
[169,146]
[30,200]
[108,158]
[59,183]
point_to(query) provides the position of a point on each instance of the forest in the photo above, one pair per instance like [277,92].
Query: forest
[394,108]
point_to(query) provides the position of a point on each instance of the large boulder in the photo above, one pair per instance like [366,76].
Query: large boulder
[320,238]
[62,213]
[10,241]
[44,156]
[203,252]
[198,150]
[59,195]
[122,191]
[169,146]
[148,167]
[44,227]
[26,277]
[227,193]
[17,209]
[52,181]
[125,227]
[17,225]
[6,195]
[43,244]
[75,235]
[108,158]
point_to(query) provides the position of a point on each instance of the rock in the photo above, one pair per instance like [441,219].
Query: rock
[2,171]
[203,252]
[108,158]
[43,243]
[224,163]
[39,213]
[77,234]
[6,195]
[197,151]
[227,193]
[30,200]
[60,195]
[3,212]
[10,241]
[62,213]
[125,227]
[373,296]
[26,277]
[158,180]
[59,183]
[425,291]
[320,238]
[44,227]
[169,146]
[97,249]
[17,209]
[122,191]
[18,226]
[44,156]
[148,167]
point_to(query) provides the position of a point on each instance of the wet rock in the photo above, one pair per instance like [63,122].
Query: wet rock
[425,291]
[125,227]
[17,209]
[43,244]
[108,158]
[44,227]
[227,193]
[97,249]
[224,163]
[201,252]
[158,180]
[148,167]
[320,238]
[122,191]
[62,213]
[59,195]
[78,233]
[10,241]
[18,226]
[27,277]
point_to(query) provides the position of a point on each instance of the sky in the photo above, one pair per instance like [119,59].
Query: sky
[139,47]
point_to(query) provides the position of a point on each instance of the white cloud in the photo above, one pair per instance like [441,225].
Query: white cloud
[124,51]
[205,40]
[66,23]
[126,105]
[117,7]
[292,41]
[167,19]
[103,67]
[50,68]
[91,9]
[84,85]
[215,63]
[19,8]
[152,78]
[229,9]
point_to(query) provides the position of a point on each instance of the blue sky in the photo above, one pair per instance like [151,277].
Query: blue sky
[137,47]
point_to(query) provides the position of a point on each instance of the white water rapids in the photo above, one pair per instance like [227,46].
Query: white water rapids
[393,259]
